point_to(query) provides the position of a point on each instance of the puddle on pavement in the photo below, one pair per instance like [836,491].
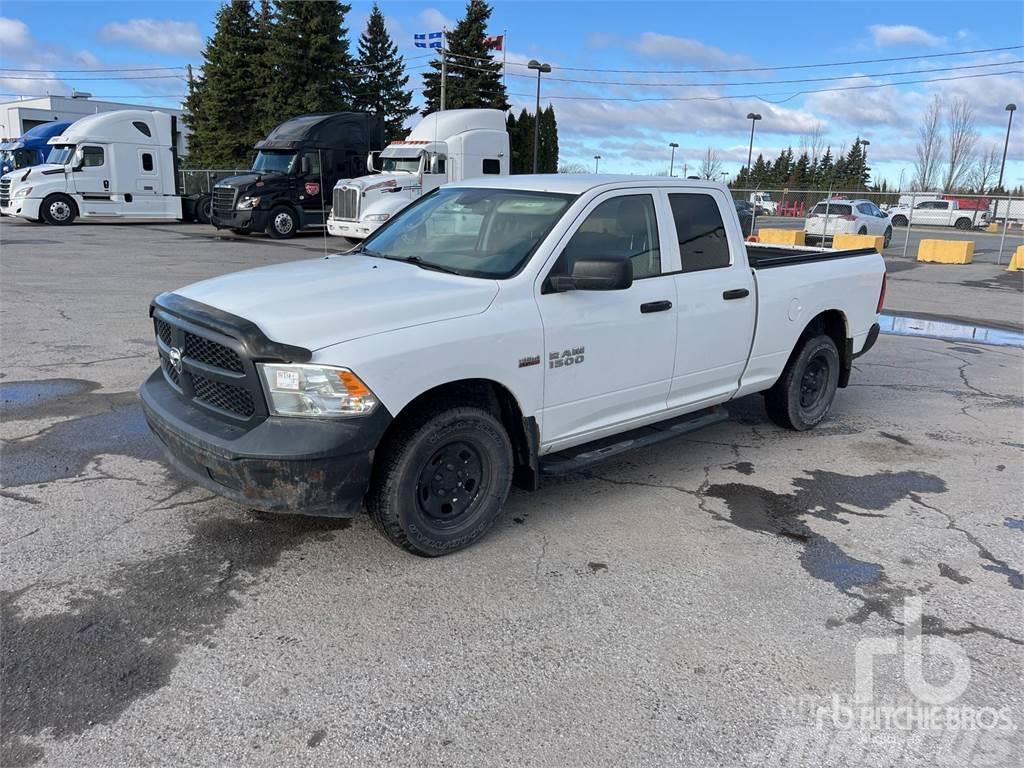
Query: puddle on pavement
[66,672]
[18,397]
[1014,523]
[949,330]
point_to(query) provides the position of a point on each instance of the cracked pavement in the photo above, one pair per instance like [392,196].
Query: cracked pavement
[687,604]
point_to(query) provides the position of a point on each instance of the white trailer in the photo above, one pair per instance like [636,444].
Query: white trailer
[111,165]
[1008,209]
[454,145]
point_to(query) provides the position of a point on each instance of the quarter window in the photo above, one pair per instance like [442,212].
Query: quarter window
[492,166]
[142,128]
[701,232]
[147,161]
[92,157]
[624,227]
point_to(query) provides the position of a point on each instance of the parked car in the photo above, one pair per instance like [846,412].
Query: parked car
[745,211]
[496,331]
[842,216]
[942,213]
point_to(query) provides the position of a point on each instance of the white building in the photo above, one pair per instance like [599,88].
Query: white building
[16,117]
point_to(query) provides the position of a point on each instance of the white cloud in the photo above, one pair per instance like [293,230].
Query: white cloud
[14,34]
[682,49]
[433,20]
[602,40]
[153,35]
[902,34]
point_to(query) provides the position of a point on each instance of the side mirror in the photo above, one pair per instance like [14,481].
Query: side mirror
[304,165]
[596,273]
[371,162]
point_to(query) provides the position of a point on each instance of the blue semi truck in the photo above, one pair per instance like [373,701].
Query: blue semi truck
[31,149]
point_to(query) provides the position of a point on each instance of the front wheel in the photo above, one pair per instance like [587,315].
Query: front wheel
[888,237]
[204,209]
[282,223]
[58,210]
[899,221]
[803,395]
[440,482]
[963,223]
[862,231]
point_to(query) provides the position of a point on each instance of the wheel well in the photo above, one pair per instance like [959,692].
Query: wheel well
[494,398]
[832,323]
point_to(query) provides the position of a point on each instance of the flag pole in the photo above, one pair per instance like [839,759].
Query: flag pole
[504,58]
[444,63]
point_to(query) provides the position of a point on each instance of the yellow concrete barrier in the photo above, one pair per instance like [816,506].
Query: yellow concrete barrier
[844,242]
[1017,262]
[781,236]
[946,251]
[993,228]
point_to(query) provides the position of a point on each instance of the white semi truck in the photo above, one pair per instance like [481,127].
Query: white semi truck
[453,145]
[112,165]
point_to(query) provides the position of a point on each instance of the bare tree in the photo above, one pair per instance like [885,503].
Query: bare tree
[960,143]
[984,171]
[710,164]
[573,168]
[812,144]
[929,147]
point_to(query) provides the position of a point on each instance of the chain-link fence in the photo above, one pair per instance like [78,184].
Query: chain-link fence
[195,182]
[993,222]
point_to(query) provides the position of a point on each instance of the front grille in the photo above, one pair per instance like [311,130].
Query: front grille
[5,191]
[223,200]
[224,396]
[213,371]
[346,203]
[211,353]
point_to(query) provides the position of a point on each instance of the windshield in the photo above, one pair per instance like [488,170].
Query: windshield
[486,233]
[60,154]
[834,209]
[273,161]
[400,164]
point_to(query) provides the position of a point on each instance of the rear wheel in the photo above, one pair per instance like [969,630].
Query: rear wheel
[282,223]
[888,237]
[441,480]
[803,395]
[58,210]
[963,223]
[899,221]
[204,209]
[862,231]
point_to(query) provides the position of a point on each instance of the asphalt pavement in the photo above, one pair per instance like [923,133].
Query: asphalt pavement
[700,603]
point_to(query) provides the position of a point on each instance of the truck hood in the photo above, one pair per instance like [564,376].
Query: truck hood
[320,302]
[246,182]
[379,183]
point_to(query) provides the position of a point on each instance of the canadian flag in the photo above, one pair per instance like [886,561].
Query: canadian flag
[495,42]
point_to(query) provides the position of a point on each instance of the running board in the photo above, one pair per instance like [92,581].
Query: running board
[583,456]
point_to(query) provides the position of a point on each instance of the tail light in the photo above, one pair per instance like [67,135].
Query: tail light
[881,294]
[848,218]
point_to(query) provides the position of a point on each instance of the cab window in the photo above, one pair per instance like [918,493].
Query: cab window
[700,230]
[623,226]
[92,157]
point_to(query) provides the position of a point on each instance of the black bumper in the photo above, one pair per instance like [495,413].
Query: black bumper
[248,221]
[307,466]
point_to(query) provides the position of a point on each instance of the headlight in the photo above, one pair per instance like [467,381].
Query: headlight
[378,216]
[247,202]
[318,391]
[22,192]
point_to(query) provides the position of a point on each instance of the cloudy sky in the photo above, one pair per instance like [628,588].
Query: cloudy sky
[687,72]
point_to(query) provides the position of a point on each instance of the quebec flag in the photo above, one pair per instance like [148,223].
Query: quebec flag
[429,40]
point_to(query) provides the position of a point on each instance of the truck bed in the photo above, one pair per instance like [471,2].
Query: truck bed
[768,256]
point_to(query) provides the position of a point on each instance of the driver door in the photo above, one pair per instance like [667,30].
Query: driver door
[92,172]
[609,355]
[311,182]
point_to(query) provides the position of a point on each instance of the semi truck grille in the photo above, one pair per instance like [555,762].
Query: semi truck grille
[209,369]
[5,191]
[346,203]
[223,200]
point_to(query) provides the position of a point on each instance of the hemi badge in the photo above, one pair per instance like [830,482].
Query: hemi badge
[526,362]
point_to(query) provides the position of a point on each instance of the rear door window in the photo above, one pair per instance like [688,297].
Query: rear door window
[700,231]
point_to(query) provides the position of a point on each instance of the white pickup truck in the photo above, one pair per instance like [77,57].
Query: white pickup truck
[494,332]
[941,213]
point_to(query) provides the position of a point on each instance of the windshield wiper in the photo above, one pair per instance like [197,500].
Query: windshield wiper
[416,260]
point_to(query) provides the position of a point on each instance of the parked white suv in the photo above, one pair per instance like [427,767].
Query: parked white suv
[837,216]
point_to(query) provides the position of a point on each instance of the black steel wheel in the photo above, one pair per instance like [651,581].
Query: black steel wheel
[888,237]
[899,221]
[803,395]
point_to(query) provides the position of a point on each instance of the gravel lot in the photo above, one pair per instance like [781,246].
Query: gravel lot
[693,604]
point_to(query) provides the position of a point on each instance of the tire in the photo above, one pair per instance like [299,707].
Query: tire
[414,498]
[283,223]
[240,231]
[803,395]
[888,237]
[862,231]
[204,209]
[963,223]
[899,221]
[58,210]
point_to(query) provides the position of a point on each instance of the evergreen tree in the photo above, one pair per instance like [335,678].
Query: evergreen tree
[222,108]
[547,160]
[474,77]
[308,50]
[855,170]
[801,176]
[761,173]
[382,78]
[826,169]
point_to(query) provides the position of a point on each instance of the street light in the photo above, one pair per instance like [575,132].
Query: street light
[1011,108]
[597,159]
[865,143]
[672,162]
[753,117]
[534,64]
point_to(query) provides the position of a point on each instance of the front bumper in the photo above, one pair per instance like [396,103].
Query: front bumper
[253,220]
[354,230]
[306,466]
[26,207]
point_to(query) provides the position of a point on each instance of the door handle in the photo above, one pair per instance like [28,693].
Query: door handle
[655,306]
[736,293]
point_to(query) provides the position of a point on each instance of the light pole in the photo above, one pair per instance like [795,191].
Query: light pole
[534,64]
[672,162]
[753,117]
[1011,108]
[597,159]
[865,143]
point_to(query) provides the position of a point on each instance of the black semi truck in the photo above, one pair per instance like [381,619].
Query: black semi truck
[289,187]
